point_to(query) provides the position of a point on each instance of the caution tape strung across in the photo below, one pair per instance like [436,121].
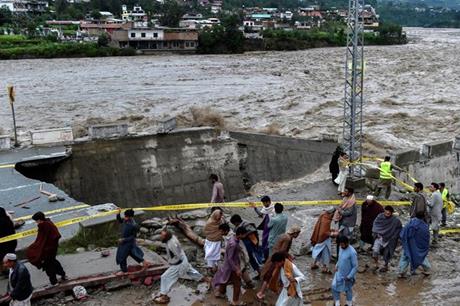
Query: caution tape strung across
[7,166]
[56,211]
[192,206]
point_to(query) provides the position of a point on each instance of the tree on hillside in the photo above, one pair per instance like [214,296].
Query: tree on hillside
[5,16]
[96,15]
[171,13]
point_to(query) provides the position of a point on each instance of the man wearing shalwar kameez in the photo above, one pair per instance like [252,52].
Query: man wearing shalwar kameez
[179,267]
[321,241]
[345,271]
[213,241]
[266,212]
[230,271]
[127,243]
[386,230]
[290,278]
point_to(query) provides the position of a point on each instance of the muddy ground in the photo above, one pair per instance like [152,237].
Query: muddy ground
[411,91]
[441,288]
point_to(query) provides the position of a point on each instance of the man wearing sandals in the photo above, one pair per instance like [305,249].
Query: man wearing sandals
[178,267]
[230,271]
[386,231]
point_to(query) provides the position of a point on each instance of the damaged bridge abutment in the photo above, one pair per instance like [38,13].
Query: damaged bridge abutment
[174,167]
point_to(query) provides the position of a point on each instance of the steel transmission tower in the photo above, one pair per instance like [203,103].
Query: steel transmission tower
[354,69]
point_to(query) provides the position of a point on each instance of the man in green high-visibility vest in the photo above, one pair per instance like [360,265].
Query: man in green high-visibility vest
[386,177]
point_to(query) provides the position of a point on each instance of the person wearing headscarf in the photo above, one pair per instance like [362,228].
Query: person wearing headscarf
[321,241]
[334,164]
[370,209]
[268,272]
[266,212]
[415,239]
[6,229]
[341,179]
[19,291]
[289,280]
[213,241]
[386,231]
[42,253]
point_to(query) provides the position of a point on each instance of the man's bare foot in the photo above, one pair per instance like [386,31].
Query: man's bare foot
[146,264]
[121,273]
[314,266]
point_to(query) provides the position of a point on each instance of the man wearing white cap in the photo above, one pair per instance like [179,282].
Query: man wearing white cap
[19,285]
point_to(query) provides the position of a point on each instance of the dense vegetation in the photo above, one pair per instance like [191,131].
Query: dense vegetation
[330,35]
[224,38]
[17,47]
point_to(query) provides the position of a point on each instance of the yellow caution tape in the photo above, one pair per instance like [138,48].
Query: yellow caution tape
[182,207]
[56,211]
[7,166]
[449,231]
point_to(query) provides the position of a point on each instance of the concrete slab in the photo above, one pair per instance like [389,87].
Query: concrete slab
[5,142]
[82,264]
[52,136]
[437,148]
[406,157]
[108,130]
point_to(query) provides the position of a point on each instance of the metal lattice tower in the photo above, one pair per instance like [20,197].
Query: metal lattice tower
[354,69]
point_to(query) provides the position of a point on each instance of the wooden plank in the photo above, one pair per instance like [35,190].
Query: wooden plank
[97,280]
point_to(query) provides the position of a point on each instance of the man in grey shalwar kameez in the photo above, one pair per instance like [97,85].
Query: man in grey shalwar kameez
[179,267]
[435,204]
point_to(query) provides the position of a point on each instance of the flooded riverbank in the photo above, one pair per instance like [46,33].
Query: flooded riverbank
[410,90]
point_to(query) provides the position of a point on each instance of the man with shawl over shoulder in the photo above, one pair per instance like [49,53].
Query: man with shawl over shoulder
[42,253]
[321,241]
[370,209]
[386,231]
[415,239]
[288,282]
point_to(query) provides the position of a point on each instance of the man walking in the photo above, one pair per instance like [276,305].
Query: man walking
[217,189]
[415,239]
[370,209]
[283,245]
[277,226]
[345,271]
[435,204]
[230,271]
[386,231]
[419,204]
[42,253]
[445,202]
[179,267]
[266,212]
[19,291]
[251,242]
[386,178]
[290,279]
[127,243]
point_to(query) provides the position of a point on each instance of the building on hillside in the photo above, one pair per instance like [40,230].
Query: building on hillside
[216,7]
[24,6]
[370,17]
[157,39]
[136,15]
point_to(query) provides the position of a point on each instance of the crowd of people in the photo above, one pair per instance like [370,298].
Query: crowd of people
[269,257]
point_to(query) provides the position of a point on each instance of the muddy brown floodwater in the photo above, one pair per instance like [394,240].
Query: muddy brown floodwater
[411,91]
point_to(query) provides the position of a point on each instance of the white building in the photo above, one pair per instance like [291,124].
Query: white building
[145,34]
[136,15]
[24,6]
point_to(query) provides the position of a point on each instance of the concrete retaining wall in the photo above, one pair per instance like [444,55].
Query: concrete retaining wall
[174,168]
[437,163]
[277,158]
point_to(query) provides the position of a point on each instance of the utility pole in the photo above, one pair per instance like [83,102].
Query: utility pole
[11,97]
[354,69]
